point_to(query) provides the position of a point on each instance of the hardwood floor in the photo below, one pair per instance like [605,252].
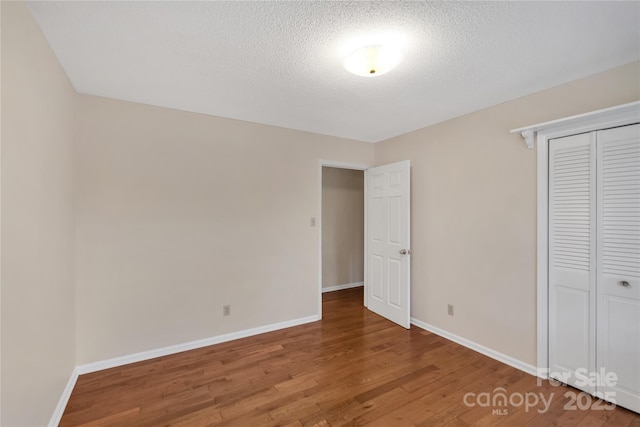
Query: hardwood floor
[352,368]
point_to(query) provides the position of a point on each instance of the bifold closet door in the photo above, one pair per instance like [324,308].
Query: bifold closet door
[618,263]
[572,238]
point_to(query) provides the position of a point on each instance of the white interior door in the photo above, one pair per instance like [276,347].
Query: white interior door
[388,246]
[618,276]
[572,229]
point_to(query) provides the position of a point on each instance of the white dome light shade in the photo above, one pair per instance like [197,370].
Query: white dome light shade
[372,60]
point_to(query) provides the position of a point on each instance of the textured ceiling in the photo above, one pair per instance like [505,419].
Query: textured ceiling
[280,63]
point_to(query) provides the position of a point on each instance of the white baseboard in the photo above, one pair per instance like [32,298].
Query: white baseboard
[64,399]
[341,287]
[500,357]
[164,351]
[150,354]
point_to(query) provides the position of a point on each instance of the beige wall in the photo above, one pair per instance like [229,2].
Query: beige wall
[342,226]
[38,303]
[473,209]
[179,214]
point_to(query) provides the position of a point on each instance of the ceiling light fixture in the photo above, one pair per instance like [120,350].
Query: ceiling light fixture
[372,60]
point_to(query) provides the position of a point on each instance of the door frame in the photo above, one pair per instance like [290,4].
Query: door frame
[540,135]
[339,165]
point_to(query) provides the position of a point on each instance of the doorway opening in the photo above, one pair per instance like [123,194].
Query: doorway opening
[341,230]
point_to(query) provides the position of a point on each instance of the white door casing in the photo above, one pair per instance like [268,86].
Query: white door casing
[388,251]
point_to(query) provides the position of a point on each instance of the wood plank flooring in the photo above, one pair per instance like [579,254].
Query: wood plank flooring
[352,368]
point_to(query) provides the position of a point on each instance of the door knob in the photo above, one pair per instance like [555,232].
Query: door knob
[624,283]
[405,251]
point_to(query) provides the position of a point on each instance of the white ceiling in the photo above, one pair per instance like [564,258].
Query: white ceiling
[280,63]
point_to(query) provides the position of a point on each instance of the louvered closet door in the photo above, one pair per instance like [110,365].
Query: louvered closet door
[572,240]
[618,277]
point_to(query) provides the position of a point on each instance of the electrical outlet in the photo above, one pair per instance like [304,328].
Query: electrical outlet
[450,309]
[226,310]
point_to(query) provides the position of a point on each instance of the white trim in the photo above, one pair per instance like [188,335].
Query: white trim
[587,122]
[542,260]
[165,351]
[601,119]
[496,355]
[344,165]
[342,287]
[366,243]
[64,399]
[341,165]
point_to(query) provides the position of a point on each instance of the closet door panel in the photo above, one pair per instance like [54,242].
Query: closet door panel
[618,277]
[572,258]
